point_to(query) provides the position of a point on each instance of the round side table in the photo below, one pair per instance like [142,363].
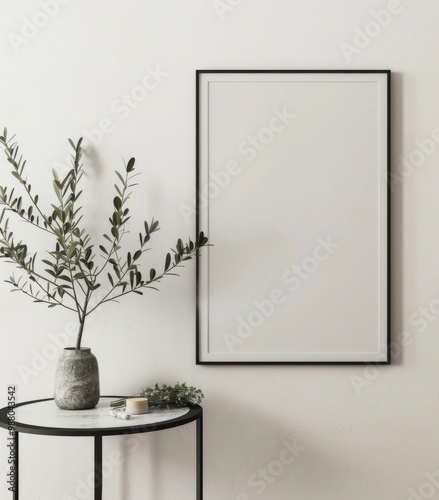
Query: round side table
[44,417]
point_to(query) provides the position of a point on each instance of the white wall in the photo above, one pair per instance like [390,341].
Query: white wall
[367,433]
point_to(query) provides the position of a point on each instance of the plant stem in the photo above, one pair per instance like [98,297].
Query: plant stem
[82,319]
[81,330]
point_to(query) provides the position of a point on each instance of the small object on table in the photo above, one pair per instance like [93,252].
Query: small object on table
[136,406]
[123,415]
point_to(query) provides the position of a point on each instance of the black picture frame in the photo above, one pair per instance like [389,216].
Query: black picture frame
[234,102]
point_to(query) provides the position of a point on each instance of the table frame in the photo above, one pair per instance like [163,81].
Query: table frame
[195,414]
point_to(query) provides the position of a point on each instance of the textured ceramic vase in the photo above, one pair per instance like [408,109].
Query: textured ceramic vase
[77,380]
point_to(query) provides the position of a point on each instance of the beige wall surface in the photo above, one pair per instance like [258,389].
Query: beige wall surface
[122,74]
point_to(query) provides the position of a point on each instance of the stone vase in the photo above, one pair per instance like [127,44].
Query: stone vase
[77,379]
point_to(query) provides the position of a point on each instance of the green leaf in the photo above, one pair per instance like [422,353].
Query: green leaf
[152,274]
[57,191]
[202,240]
[110,279]
[179,246]
[17,176]
[88,253]
[117,202]
[72,249]
[130,165]
[117,219]
[122,180]
[167,261]
[65,278]
[116,270]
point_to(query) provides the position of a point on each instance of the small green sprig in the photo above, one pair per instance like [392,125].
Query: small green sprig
[166,396]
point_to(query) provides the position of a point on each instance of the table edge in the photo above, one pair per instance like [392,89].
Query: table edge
[195,412]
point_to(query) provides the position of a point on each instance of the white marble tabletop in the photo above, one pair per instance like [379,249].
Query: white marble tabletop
[47,414]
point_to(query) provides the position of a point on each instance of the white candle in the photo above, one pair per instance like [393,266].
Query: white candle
[136,405]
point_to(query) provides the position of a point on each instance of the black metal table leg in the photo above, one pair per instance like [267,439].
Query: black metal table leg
[16,465]
[200,457]
[98,467]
